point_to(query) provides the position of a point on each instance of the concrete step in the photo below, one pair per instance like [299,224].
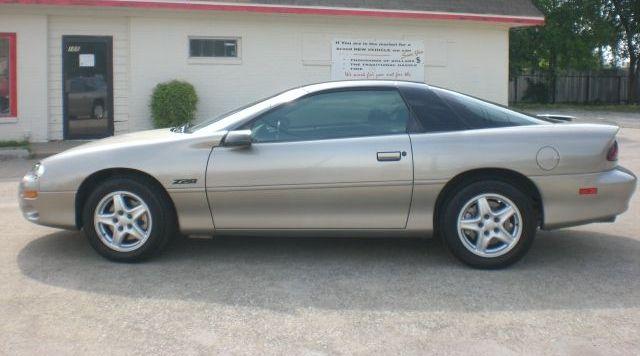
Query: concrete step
[13,153]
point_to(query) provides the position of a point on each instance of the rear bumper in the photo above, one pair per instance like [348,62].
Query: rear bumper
[564,206]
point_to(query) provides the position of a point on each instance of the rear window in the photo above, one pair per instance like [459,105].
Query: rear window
[478,114]
[430,111]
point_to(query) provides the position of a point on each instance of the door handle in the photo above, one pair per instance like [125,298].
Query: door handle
[389,156]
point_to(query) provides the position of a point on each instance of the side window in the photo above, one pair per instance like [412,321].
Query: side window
[334,115]
[479,114]
[432,113]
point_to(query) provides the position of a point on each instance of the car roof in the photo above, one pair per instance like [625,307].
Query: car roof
[347,84]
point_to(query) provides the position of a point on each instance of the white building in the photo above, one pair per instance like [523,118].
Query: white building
[85,69]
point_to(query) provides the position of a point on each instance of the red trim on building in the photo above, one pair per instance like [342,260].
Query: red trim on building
[278,9]
[13,78]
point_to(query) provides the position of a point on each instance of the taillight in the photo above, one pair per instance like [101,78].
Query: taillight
[612,155]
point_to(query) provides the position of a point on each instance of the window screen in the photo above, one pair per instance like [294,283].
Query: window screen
[334,115]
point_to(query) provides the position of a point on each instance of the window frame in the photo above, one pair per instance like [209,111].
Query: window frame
[13,80]
[215,60]
[411,121]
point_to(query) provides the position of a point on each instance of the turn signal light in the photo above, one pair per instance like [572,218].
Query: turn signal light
[588,191]
[612,155]
[30,194]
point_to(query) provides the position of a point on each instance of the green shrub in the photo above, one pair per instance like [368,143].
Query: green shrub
[173,103]
[14,144]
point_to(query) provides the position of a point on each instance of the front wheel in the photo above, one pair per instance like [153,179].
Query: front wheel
[128,219]
[489,224]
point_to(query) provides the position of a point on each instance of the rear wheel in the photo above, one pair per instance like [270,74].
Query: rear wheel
[128,219]
[488,224]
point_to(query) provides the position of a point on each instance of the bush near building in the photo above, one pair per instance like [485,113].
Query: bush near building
[173,103]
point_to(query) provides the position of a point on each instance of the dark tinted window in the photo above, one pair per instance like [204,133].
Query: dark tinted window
[213,47]
[478,114]
[432,113]
[334,115]
[7,81]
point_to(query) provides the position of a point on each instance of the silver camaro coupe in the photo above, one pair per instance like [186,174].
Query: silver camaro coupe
[365,158]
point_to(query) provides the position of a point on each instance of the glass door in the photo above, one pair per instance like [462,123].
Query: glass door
[87,86]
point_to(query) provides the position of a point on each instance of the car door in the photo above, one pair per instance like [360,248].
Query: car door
[330,160]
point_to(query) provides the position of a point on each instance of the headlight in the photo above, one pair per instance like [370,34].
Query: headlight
[30,185]
[38,169]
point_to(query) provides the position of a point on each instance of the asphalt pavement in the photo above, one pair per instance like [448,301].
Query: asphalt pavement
[576,293]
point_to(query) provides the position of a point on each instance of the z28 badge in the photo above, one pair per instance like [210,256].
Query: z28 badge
[185,181]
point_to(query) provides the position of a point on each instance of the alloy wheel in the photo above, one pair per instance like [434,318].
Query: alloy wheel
[123,221]
[489,225]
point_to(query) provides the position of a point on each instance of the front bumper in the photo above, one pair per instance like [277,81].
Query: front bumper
[564,206]
[54,209]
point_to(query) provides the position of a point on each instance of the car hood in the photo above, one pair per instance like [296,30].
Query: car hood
[138,139]
[162,154]
[130,139]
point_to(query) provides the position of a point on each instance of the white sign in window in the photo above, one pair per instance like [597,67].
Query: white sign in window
[87,60]
[377,59]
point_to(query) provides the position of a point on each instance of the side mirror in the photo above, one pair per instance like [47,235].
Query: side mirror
[239,138]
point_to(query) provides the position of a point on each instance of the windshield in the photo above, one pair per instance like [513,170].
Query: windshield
[222,121]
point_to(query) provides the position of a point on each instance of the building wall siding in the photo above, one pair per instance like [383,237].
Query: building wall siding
[118,28]
[279,52]
[31,59]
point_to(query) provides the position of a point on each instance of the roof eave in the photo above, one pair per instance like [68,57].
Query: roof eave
[511,20]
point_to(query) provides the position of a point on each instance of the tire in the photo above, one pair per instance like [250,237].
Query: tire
[145,224]
[492,243]
[97,111]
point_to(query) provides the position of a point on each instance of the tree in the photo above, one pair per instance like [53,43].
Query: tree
[568,40]
[572,32]
[575,36]
[624,17]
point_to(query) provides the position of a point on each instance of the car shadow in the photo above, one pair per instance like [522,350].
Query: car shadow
[567,269]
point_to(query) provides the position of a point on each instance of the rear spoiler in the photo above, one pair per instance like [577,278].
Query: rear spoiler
[556,119]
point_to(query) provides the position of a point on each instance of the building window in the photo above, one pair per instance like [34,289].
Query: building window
[213,47]
[8,101]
